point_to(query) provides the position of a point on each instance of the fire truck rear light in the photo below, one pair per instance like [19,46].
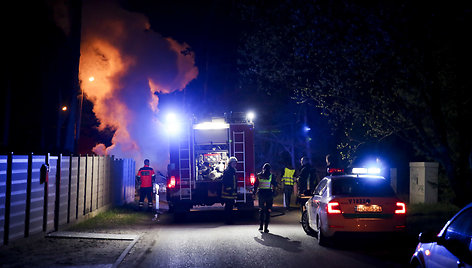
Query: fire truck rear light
[252,179]
[334,208]
[401,208]
[171,183]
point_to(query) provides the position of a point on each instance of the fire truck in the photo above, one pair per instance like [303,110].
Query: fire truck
[199,153]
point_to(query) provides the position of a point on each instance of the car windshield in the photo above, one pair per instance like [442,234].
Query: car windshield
[362,187]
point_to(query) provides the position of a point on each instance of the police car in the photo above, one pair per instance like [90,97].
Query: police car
[452,247]
[360,202]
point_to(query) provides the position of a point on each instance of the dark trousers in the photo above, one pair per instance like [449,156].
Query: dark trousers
[145,192]
[265,205]
[229,204]
[288,190]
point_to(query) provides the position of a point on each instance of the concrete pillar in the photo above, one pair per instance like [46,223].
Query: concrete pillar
[423,182]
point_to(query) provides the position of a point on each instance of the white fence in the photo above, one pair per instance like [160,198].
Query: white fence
[76,186]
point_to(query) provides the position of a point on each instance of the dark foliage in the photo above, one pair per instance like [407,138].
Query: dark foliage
[375,69]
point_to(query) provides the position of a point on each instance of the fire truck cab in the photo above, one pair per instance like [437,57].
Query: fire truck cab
[199,155]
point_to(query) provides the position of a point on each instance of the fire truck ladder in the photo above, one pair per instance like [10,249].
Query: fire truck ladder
[239,139]
[185,176]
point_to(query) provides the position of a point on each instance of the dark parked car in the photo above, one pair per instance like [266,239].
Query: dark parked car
[452,247]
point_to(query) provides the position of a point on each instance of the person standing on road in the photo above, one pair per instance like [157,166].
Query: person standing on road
[288,182]
[146,177]
[306,180]
[229,191]
[264,186]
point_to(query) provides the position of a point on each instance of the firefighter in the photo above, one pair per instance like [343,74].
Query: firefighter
[146,177]
[264,186]
[229,191]
[288,182]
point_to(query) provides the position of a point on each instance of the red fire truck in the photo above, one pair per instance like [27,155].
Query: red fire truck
[199,152]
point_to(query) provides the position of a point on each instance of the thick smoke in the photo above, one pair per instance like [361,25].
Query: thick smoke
[122,64]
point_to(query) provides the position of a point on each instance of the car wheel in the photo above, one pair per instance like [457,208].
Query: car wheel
[306,225]
[322,240]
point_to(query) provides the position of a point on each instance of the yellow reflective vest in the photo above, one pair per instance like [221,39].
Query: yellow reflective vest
[287,178]
[264,183]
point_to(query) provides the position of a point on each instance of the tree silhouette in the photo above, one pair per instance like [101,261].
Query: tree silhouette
[374,69]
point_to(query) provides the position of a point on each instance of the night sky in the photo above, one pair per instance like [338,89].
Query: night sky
[43,52]
[213,30]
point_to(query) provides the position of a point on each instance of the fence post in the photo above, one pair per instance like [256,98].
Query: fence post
[85,185]
[45,204]
[28,194]
[68,191]
[91,183]
[98,181]
[58,193]
[6,227]
[78,189]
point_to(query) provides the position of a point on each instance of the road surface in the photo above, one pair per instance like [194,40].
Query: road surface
[203,240]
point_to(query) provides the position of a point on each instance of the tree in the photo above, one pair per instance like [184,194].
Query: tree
[374,69]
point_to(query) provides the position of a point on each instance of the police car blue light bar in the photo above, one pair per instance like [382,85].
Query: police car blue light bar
[359,170]
[371,170]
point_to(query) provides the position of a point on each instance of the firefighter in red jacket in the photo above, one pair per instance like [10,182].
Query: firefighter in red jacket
[146,178]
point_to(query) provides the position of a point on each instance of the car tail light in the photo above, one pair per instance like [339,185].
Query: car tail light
[401,208]
[252,179]
[334,208]
[171,183]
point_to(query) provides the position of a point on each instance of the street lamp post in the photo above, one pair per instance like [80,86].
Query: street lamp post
[79,121]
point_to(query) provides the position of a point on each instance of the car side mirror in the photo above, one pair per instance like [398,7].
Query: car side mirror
[428,237]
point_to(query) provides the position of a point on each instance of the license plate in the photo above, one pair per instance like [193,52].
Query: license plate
[368,208]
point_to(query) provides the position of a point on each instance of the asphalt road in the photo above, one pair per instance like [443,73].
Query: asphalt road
[203,240]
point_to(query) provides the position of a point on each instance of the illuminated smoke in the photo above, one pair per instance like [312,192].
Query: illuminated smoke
[122,64]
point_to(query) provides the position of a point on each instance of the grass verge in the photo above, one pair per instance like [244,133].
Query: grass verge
[117,217]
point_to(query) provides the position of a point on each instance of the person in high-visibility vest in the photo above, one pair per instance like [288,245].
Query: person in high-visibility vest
[264,185]
[288,181]
[146,178]
[229,190]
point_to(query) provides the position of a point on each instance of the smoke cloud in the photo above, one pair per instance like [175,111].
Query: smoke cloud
[123,63]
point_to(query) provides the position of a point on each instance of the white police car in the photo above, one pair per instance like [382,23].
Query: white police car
[354,203]
[452,247]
